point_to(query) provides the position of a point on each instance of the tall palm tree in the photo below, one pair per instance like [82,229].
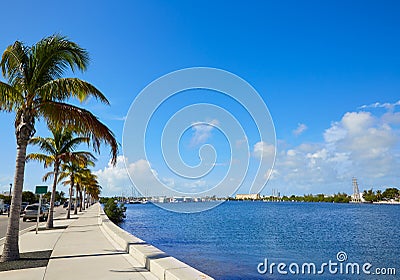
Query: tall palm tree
[57,149]
[36,90]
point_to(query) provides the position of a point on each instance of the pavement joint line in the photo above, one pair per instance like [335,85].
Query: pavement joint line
[58,239]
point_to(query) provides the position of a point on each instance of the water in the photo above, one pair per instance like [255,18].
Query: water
[229,241]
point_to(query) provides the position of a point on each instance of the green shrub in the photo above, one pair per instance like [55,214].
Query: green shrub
[115,212]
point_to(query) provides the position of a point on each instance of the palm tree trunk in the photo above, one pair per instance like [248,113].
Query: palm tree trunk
[70,198]
[80,200]
[87,200]
[11,247]
[76,200]
[84,200]
[53,197]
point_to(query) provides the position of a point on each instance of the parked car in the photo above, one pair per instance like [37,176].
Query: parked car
[23,205]
[2,206]
[65,205]
[31,211]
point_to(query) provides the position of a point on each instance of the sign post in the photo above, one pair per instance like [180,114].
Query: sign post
[40,190]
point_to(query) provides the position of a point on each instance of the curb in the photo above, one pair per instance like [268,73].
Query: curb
[163,266]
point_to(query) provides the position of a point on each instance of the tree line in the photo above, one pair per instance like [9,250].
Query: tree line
[30,197]
[368,195]
[387,195]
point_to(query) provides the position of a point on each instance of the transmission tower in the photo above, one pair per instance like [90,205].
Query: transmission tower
[356,192]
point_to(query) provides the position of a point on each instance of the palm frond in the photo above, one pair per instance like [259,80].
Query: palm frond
[45,159]
[47,176]
[14,62]
[52,55]
[10,97]
[82,122]
[72,144]
[63,88]
[46,145]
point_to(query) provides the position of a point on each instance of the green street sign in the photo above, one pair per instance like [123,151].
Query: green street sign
[41,190]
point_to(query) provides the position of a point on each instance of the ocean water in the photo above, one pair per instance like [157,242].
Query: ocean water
[231,240]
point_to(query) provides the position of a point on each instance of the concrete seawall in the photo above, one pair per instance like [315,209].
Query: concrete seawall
[163,266]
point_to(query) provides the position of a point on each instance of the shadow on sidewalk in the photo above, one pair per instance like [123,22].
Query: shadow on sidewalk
[28,260]
[48,229]
[90,255]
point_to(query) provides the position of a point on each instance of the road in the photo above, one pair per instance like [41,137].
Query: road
[58,211]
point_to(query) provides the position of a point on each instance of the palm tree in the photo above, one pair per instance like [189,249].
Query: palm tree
[57,149]
[84,179]
[72,171]
[378,195]
[36,90]
[92,188]
[92,191]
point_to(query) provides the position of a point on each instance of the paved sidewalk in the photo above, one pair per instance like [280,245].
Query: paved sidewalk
[80,250]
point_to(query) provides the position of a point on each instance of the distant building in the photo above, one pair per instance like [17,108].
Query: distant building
[248,196]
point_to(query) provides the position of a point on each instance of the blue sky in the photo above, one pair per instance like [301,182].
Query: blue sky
[314,63]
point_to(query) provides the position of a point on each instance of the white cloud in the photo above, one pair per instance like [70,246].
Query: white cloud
[241,142]
[115,180]
[360,144]
[387,105]
[391,118]
[301,127]
[170,182]
[262,149]
[202,132]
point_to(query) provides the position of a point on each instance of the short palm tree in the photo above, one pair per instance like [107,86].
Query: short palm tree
[71,173]
[36,90]
[56,150]
[92,191]
[84,179]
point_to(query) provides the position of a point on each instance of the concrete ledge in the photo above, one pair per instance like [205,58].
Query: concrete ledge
[121,237]
[163,266]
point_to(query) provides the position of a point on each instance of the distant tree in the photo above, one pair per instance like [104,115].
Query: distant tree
[369,195]
[308,198]
[320,197]
[6,199]
[59,196]
[391,193]
[341,198]
[378,195]
[30,197]
[329,199]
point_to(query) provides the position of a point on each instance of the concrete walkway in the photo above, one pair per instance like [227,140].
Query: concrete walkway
[80,250]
